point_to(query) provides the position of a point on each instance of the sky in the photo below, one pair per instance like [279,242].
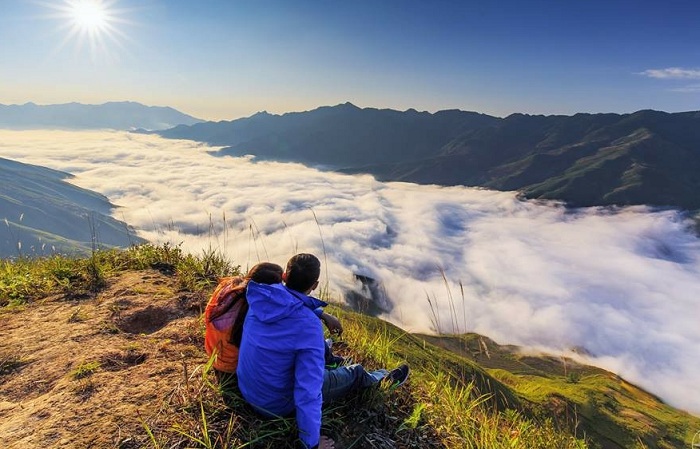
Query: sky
[622,284]
[227,59]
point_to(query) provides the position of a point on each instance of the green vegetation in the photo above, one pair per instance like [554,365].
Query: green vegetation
[85,369]
[24,280]
[603,406]
[455,397]
[464,392]
[77,317]
[441,406]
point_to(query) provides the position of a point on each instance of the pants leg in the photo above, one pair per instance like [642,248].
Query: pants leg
[340,381]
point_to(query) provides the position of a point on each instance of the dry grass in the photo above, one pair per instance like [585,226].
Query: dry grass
[124,366]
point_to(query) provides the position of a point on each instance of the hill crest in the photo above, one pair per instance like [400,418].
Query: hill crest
[117,362]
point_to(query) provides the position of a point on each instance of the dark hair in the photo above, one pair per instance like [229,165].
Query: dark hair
[262,273]
[265,273]
[303,270]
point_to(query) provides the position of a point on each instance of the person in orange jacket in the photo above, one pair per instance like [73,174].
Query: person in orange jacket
[224,317]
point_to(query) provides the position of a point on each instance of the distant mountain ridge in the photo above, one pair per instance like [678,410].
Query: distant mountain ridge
[339,136]
[648,157]
[123,115]
[40,214]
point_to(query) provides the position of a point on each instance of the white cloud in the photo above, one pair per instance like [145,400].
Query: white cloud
[672,73]
[623,284]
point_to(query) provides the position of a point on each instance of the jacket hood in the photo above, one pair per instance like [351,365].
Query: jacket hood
[270,303]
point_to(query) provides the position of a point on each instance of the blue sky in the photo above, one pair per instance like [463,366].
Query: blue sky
[227,59]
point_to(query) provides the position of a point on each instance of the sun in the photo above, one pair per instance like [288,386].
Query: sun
[91,25]
[90,15]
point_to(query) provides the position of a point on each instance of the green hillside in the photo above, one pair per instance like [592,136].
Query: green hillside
[611,411]
[41,213]
[121,364]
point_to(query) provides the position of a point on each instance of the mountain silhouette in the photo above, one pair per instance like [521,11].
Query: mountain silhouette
[648,157]
[42,214]
[124,115]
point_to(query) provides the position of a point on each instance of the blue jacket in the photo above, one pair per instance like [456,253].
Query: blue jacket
[281,359]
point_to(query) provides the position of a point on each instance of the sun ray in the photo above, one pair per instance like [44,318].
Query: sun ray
[91,25]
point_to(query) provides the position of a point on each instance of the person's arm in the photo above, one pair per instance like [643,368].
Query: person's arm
[332,323]
[308,383]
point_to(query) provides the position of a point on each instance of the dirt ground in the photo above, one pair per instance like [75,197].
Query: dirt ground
[83,373]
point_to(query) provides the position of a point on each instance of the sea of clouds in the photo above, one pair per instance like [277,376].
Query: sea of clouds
[622,284]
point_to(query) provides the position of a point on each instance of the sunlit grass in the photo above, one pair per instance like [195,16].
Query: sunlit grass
[449,400]
[446,398]
[23,280]
[85,369]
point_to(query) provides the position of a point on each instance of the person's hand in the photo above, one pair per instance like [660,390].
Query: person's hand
[326,443]
[332,323]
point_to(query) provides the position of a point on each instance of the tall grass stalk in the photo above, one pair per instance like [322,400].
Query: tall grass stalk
[325,290]
[250,240]
[451,303]
[464,306]
[205,441]
[295,244]
[225,231]
[14,237]
[262,241]
[434,313]
[97,280]
[151,436]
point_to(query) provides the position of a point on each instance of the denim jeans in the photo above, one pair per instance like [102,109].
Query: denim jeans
[340,381]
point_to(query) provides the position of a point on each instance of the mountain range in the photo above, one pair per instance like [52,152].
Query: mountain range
[125,115]
[647,157]
[41,214]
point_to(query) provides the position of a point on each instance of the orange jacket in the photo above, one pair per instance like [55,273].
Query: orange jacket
[217,334]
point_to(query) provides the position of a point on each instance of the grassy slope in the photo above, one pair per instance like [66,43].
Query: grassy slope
[41,213]
[608,409]
[453,399]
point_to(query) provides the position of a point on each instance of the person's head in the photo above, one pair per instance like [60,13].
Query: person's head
[303,271]
[265,273]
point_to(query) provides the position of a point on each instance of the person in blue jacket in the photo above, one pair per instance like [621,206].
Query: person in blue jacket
[281,368]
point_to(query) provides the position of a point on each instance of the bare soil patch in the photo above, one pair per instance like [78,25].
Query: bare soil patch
[79,373]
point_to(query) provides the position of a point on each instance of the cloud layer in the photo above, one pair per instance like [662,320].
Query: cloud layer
[672,73]
[623,284]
